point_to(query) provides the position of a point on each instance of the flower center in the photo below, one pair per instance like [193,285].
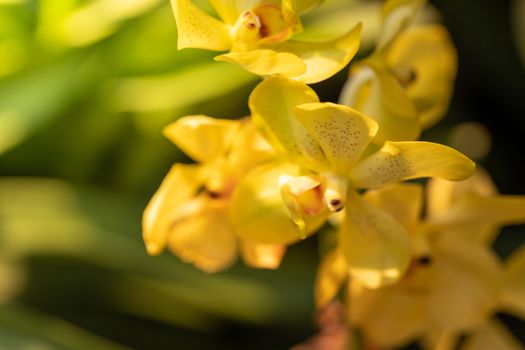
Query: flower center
[405,76]
[264,24]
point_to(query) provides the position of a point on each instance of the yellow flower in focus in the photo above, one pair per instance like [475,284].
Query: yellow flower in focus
[454,284]
[257,34]
[260,215]
[407,82]
[190,212]
[331,142]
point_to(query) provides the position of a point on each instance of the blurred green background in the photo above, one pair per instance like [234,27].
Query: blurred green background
[85,88]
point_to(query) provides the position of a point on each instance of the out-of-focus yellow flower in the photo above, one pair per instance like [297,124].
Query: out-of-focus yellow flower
[454,283]
[258,35]
[455,207]
[513,298]
[190,211]
[330,142]
[407,82]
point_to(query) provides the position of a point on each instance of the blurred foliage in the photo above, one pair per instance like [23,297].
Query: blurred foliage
[85,88]
[84,243]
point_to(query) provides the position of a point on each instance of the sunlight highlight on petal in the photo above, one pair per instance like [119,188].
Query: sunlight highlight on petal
[376,247]
[398,161]
[197,29]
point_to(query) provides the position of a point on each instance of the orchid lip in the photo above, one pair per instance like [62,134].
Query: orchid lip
[335,190]
[335,205]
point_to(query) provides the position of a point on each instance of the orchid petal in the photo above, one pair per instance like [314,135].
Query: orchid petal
[390,317]
[262,256]
[375,92]
[197,29]
[341,132]
[228,10]
[300,6]
[205,238]
[472,275]
[180,185]
[376,247]
[266,62]
[248,149]
[514,287]
[439,339]
[443,194]
[202,138]
[323,59]
[479,212]
[397,14]
[331,274]
[398,161]
[427,53]
[302,196]
[490,336]
[272,104]
[403,201]
[472,208]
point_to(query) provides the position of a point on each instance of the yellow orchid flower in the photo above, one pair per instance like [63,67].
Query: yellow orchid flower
[513,297]
[259,214]
[456,206]
[257,34]
[190,212]
[454,284]
[407,83]
[330,141]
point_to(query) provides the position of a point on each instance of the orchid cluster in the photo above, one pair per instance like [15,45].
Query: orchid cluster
[412,263]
